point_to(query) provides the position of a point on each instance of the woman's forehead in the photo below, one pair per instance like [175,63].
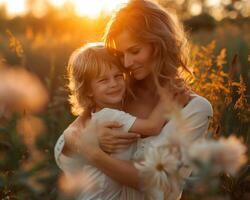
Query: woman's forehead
[124,41]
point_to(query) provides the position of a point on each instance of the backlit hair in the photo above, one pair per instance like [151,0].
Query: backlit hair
[86,63]
[147,22]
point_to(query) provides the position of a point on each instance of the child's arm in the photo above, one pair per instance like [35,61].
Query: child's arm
[153,124]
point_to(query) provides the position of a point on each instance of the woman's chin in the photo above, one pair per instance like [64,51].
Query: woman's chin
[138,76]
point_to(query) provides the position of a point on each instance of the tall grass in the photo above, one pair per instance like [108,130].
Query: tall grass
[221,69]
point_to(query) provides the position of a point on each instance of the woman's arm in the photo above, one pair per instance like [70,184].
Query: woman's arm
[197,117]
[121,171]
[110,139]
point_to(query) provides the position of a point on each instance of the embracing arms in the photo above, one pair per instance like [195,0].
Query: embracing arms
[85,142]
[121,171]
[197,116]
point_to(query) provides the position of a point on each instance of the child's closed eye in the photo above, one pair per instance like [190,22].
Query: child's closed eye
[102,80]
[119,75]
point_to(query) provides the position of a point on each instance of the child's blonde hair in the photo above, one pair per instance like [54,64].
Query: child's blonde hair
[86,63]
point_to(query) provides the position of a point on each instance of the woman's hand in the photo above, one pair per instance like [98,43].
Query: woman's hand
[112,140]
[87,140]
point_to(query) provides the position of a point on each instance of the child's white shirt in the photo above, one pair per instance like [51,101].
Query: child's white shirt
[95,184]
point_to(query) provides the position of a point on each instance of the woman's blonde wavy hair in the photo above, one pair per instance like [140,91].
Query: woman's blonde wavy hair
[86,63]
[148,22]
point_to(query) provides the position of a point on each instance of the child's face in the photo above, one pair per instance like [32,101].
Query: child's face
[107,90]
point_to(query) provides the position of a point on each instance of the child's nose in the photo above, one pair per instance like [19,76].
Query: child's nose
[113,82]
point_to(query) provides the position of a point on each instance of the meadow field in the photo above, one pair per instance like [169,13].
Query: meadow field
[37,51]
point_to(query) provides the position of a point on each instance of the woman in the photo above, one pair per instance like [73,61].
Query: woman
[154,49]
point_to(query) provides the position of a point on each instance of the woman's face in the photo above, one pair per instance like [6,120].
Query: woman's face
[136,56]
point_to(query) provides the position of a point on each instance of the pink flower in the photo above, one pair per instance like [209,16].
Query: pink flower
[223,155]
[20,90]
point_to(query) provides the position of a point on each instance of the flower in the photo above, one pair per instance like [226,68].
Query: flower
[29,127]
[20,90]
[230,155]
[158,167]
[202,150]
[224,155]
[177,137]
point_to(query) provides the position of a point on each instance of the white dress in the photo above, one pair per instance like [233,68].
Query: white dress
[97,186]
[197,113]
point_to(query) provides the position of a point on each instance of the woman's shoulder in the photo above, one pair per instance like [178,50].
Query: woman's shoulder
[199,104]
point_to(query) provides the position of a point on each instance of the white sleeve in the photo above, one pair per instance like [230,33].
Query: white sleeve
[108,114]
[65,163]
[58,150]
[198,115]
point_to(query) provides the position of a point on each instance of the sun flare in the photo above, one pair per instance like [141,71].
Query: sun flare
[14,7]
[91,8]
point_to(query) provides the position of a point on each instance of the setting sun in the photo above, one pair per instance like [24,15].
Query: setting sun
[91,8]
[14,7]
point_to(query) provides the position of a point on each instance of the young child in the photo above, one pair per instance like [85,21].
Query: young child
[99,86]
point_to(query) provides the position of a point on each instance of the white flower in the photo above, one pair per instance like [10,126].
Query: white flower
[20,90]
[158,166]
[29,127]
[223,155]
[177,138]
[202,150]
[230,155]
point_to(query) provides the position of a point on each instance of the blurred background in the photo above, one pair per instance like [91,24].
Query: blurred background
[39,36]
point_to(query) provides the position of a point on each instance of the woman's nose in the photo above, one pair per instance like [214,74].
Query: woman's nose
[128,61]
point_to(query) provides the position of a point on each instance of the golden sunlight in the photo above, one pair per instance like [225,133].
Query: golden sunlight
[14,7]
[91,8]
[57,2]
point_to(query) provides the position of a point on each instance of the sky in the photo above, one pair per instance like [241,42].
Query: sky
[90,8]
